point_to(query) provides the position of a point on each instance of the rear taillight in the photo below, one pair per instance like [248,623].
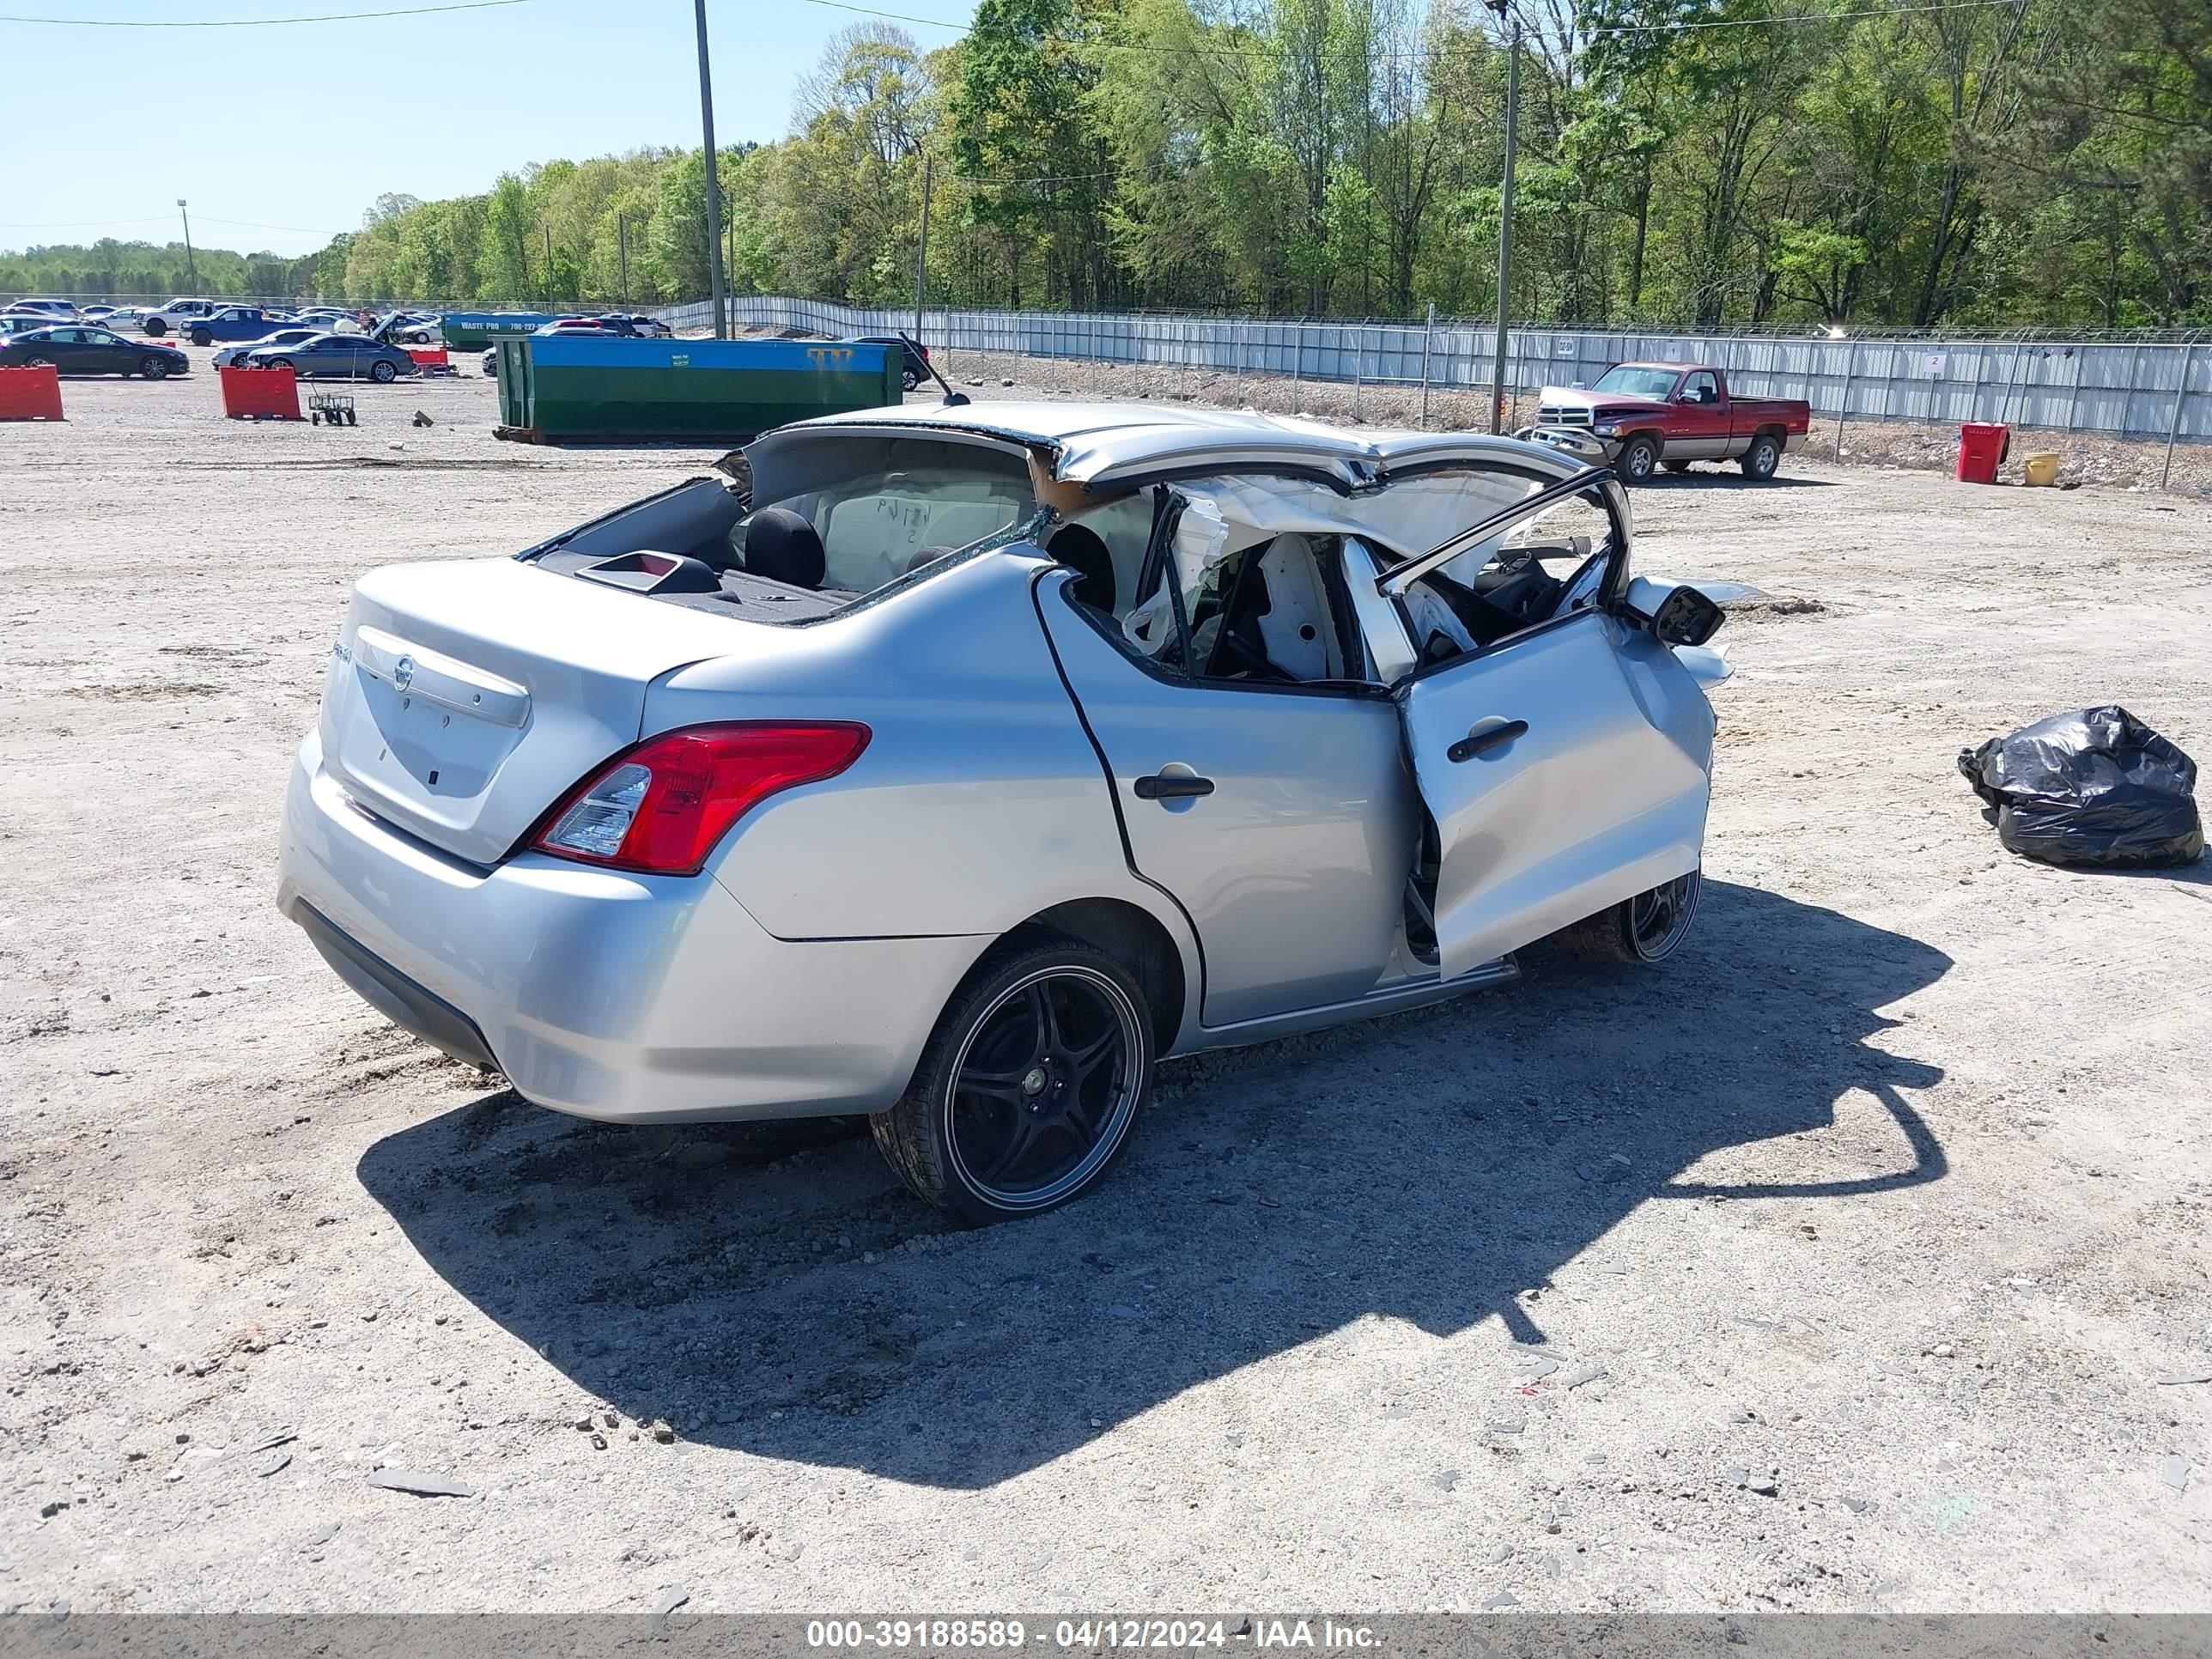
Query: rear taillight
[662,806]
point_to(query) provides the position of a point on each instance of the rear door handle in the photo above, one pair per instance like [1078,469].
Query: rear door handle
[1476,743]
[1163,786]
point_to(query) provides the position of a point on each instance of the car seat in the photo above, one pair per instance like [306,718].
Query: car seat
[784,547]
[1278,611]
[1083,551]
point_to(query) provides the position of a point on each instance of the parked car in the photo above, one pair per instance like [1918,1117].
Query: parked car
[19,322]
[125,316]
[177,316]
[80,350]
[645,327]
[914,360]
[95,314]
[56,311]
[491,362]
[969,760]
[349,357]
[1641,416]
[297,335]
[414,328]
[622,326]
[233,324]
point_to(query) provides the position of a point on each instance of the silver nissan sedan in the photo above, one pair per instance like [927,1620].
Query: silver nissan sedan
[955,764]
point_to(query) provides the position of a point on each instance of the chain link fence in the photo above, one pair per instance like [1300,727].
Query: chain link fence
[2146,387]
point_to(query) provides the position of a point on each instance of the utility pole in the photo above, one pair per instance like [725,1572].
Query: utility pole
[1505,208]
[622,248]
[921,253]
[192,270]
[548,266]
[714,178]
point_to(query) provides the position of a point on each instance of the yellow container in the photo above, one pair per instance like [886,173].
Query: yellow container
[2042,469]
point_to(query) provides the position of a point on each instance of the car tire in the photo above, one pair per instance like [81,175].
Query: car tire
[275,363]
[382,372]
[202,338]
[1759,460]
[41,362]
[155,326]
[154,368]
[1638,460]
[1676,466]
[1643,930]
[1029,1089]
[909,379]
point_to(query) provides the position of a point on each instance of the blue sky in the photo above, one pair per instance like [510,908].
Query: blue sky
[280,137]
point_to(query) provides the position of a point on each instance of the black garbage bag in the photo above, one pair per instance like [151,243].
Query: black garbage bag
[2096,786]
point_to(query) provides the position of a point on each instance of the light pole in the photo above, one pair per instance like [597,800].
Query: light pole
[192,270]
[921,251]
[714,178]
[1501,8]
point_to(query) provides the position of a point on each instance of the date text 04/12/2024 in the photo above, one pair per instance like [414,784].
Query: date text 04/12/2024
[1097,1633]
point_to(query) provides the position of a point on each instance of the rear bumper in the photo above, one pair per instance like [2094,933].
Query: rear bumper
[632,998]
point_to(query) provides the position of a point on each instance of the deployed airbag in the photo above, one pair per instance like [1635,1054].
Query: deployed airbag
[2096,786]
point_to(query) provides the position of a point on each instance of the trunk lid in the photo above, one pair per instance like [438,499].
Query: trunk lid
[465,698]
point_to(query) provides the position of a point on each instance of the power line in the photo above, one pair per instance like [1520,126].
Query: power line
[253,22]
[254,224]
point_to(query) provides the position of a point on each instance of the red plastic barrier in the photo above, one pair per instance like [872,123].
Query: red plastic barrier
[1981,446]
[31,394]
[260,394]
[427,358]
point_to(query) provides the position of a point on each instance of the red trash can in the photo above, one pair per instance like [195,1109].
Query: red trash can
[1982,445]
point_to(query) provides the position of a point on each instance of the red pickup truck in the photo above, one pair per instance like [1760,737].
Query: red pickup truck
[1644,415]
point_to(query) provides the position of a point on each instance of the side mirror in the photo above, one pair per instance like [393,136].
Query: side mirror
[1685,617]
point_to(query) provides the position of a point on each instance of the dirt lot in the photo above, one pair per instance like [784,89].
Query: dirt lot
[1856,1259]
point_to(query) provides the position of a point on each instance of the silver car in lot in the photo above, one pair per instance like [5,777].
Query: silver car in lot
[955,764]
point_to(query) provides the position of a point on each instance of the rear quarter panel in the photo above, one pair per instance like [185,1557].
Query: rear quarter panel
[979,800]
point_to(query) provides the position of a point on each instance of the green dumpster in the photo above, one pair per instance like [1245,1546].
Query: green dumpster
[557,388]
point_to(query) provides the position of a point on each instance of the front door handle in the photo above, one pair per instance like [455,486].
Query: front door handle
[1475,743]
[1170,785]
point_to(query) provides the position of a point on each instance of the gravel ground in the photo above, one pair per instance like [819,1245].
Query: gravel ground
[1856,1258]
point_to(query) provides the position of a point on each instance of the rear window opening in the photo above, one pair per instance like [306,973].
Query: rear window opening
[851,517]
[874,509]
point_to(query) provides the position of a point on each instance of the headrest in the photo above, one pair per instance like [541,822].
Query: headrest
[783,547]
[1079,548]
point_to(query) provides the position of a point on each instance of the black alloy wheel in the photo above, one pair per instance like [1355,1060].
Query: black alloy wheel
[1645,929]
[1029,1087]
[1659,917]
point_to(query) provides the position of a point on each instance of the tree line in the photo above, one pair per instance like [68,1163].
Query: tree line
[1767,163]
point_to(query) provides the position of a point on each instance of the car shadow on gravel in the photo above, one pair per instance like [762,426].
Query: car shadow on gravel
[1704,478]
[770,1288]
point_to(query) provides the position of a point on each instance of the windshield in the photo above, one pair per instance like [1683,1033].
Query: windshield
[883,506]
[1635,382]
